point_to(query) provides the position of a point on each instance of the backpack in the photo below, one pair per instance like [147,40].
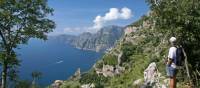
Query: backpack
[179,56]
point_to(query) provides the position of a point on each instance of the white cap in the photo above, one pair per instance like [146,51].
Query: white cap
[172,39]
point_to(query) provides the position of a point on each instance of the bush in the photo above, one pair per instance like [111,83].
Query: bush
[23,84]
[109,59]
[71,84]
[99,64]
[91,77]
[128,50]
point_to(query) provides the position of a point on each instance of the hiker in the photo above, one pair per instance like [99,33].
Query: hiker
[171,63]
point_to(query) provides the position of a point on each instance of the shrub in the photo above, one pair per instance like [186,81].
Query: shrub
[109,59]
[71,84]
[23,84]
[99,64]
[98,80]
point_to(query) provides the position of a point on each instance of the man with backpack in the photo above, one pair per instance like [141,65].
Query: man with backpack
[174,59]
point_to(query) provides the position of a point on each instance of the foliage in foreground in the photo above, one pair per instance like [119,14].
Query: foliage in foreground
[20,21]
[180,18]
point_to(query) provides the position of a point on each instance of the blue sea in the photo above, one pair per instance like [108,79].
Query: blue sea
[54,58]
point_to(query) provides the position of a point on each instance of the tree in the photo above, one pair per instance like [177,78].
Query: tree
[180,18]
[35,75]
[20,21]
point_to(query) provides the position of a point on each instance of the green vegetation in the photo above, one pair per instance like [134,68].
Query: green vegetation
[139,22]
[99,64]
[28,83]
[35,76]
[20,21]
[23,84]
[92,77]
[109,59]
[180,18]
[137,56]
[71,84]
[86,78]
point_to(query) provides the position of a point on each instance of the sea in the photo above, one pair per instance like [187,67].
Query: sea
[55,59]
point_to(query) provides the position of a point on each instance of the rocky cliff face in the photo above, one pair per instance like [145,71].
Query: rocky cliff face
[104,39]
[63,38]
[100,41]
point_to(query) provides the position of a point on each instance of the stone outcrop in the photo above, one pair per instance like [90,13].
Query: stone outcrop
[119,58]
[57,84]
[151,74]
[88,86]
[137,82]
[129,30]
[110,71]
[77,75]
[152,77]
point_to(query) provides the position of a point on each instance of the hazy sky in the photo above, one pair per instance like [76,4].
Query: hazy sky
[77,16]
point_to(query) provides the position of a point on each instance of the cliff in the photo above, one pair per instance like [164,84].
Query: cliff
[104,39]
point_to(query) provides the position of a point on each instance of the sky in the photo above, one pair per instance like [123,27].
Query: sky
[77,16]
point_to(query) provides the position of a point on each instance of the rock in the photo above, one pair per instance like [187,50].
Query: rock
[118,70]
[119,58]
[129,30]
[57,84]
[151,76]
[99,41]
[151,73]
[108,71]
[77,75]
[88,86]
[137,82]
[146,24]
[78,72]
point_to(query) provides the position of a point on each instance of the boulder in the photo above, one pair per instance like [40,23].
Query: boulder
[151,74]
[57,83]
[108,71]
[137,82]
[88,86]
[152,77]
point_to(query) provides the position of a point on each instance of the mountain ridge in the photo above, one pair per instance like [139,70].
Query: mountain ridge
[100,41]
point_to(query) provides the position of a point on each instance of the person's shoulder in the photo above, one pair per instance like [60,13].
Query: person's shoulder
[172,48]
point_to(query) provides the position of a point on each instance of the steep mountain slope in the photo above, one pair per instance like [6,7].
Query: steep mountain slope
[63,38]
[100,41]
[104,39]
